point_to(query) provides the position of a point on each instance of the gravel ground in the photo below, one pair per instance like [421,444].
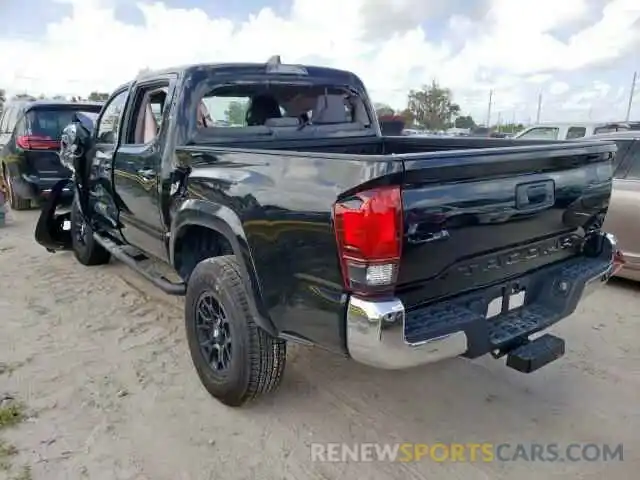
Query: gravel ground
[99,358]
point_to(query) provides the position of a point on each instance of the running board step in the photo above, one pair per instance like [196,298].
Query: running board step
[121,253]
[536,354]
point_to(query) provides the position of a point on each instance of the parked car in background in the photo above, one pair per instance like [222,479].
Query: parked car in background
[480,132]
[29,144]
[570,131]
[623,217]
[391,124]
[485,132]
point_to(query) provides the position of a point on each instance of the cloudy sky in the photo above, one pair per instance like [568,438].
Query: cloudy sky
[580,54]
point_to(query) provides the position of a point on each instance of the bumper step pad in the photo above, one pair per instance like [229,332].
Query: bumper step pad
[552,294]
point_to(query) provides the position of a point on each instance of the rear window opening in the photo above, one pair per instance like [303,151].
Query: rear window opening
[49,123]
[295,110]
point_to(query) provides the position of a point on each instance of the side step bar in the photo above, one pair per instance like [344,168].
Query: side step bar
[120,253]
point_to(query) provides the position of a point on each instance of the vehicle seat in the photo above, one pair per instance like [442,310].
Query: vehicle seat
[204,118]
[262,108]
[282,122]
[146,128]
[329,109]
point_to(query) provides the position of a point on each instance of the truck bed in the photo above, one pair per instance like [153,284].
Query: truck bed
[385,145]
[474,215]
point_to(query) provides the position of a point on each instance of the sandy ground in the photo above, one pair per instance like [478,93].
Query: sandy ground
[100,359]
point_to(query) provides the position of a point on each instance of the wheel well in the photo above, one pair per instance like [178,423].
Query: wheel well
[196,243]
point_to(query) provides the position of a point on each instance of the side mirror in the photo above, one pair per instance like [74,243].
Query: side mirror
[83,119]
[75,143]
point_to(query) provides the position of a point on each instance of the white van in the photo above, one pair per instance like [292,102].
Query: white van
[568,131]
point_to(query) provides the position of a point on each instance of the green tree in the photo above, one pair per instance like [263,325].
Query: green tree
[3,98]
[408,117]
[509,127]
[235,113]
[383,109]
[464,121]
[98,96]
[432,106]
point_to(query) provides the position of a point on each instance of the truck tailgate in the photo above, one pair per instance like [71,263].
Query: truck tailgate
[476,217]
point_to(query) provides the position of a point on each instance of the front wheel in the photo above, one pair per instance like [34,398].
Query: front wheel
[236,360]
[86,250]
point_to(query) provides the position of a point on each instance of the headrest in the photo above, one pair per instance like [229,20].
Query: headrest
[329,109]
[262,107]
[150,125]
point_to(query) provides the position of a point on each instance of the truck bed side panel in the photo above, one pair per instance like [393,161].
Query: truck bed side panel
[284,202]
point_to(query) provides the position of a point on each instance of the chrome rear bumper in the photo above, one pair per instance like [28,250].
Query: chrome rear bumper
[375,337]
[376,329]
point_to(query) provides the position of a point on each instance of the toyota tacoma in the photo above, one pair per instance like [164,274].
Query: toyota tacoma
[269,197]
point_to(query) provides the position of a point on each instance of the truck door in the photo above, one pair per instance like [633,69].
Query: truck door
[102,200]
[137,166]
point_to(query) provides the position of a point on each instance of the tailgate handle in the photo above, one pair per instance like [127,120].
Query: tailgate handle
[535,195]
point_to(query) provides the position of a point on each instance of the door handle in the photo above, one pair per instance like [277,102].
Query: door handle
[536,195]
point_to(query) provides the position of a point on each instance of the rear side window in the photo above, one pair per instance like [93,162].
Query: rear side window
[623,147]
[9,120]
[146,119]
[107,129]
[633,160]
[3,121]
[576,132]
[542,133]
[50,122]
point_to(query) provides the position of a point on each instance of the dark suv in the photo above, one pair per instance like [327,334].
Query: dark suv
[29,144]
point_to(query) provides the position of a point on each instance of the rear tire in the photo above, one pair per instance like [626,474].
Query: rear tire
[236,360]
[86,250]
[15,202]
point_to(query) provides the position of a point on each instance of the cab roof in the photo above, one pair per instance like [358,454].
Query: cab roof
[28,104]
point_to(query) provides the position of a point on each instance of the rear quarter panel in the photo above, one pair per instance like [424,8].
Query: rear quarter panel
[284,203]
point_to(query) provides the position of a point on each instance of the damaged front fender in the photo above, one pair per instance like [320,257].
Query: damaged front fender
[53,230]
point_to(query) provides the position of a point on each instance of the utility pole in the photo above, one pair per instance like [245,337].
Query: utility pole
[489,109]
[633,87]
[539,107]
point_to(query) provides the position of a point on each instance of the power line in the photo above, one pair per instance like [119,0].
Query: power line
[489,108]
[633,87]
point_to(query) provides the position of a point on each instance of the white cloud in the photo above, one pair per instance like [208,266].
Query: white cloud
[510,46]
[558,88]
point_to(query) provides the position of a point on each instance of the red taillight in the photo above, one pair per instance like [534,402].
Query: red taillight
[33,142]
[369,234]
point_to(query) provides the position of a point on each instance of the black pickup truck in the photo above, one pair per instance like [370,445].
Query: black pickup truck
[303,223]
